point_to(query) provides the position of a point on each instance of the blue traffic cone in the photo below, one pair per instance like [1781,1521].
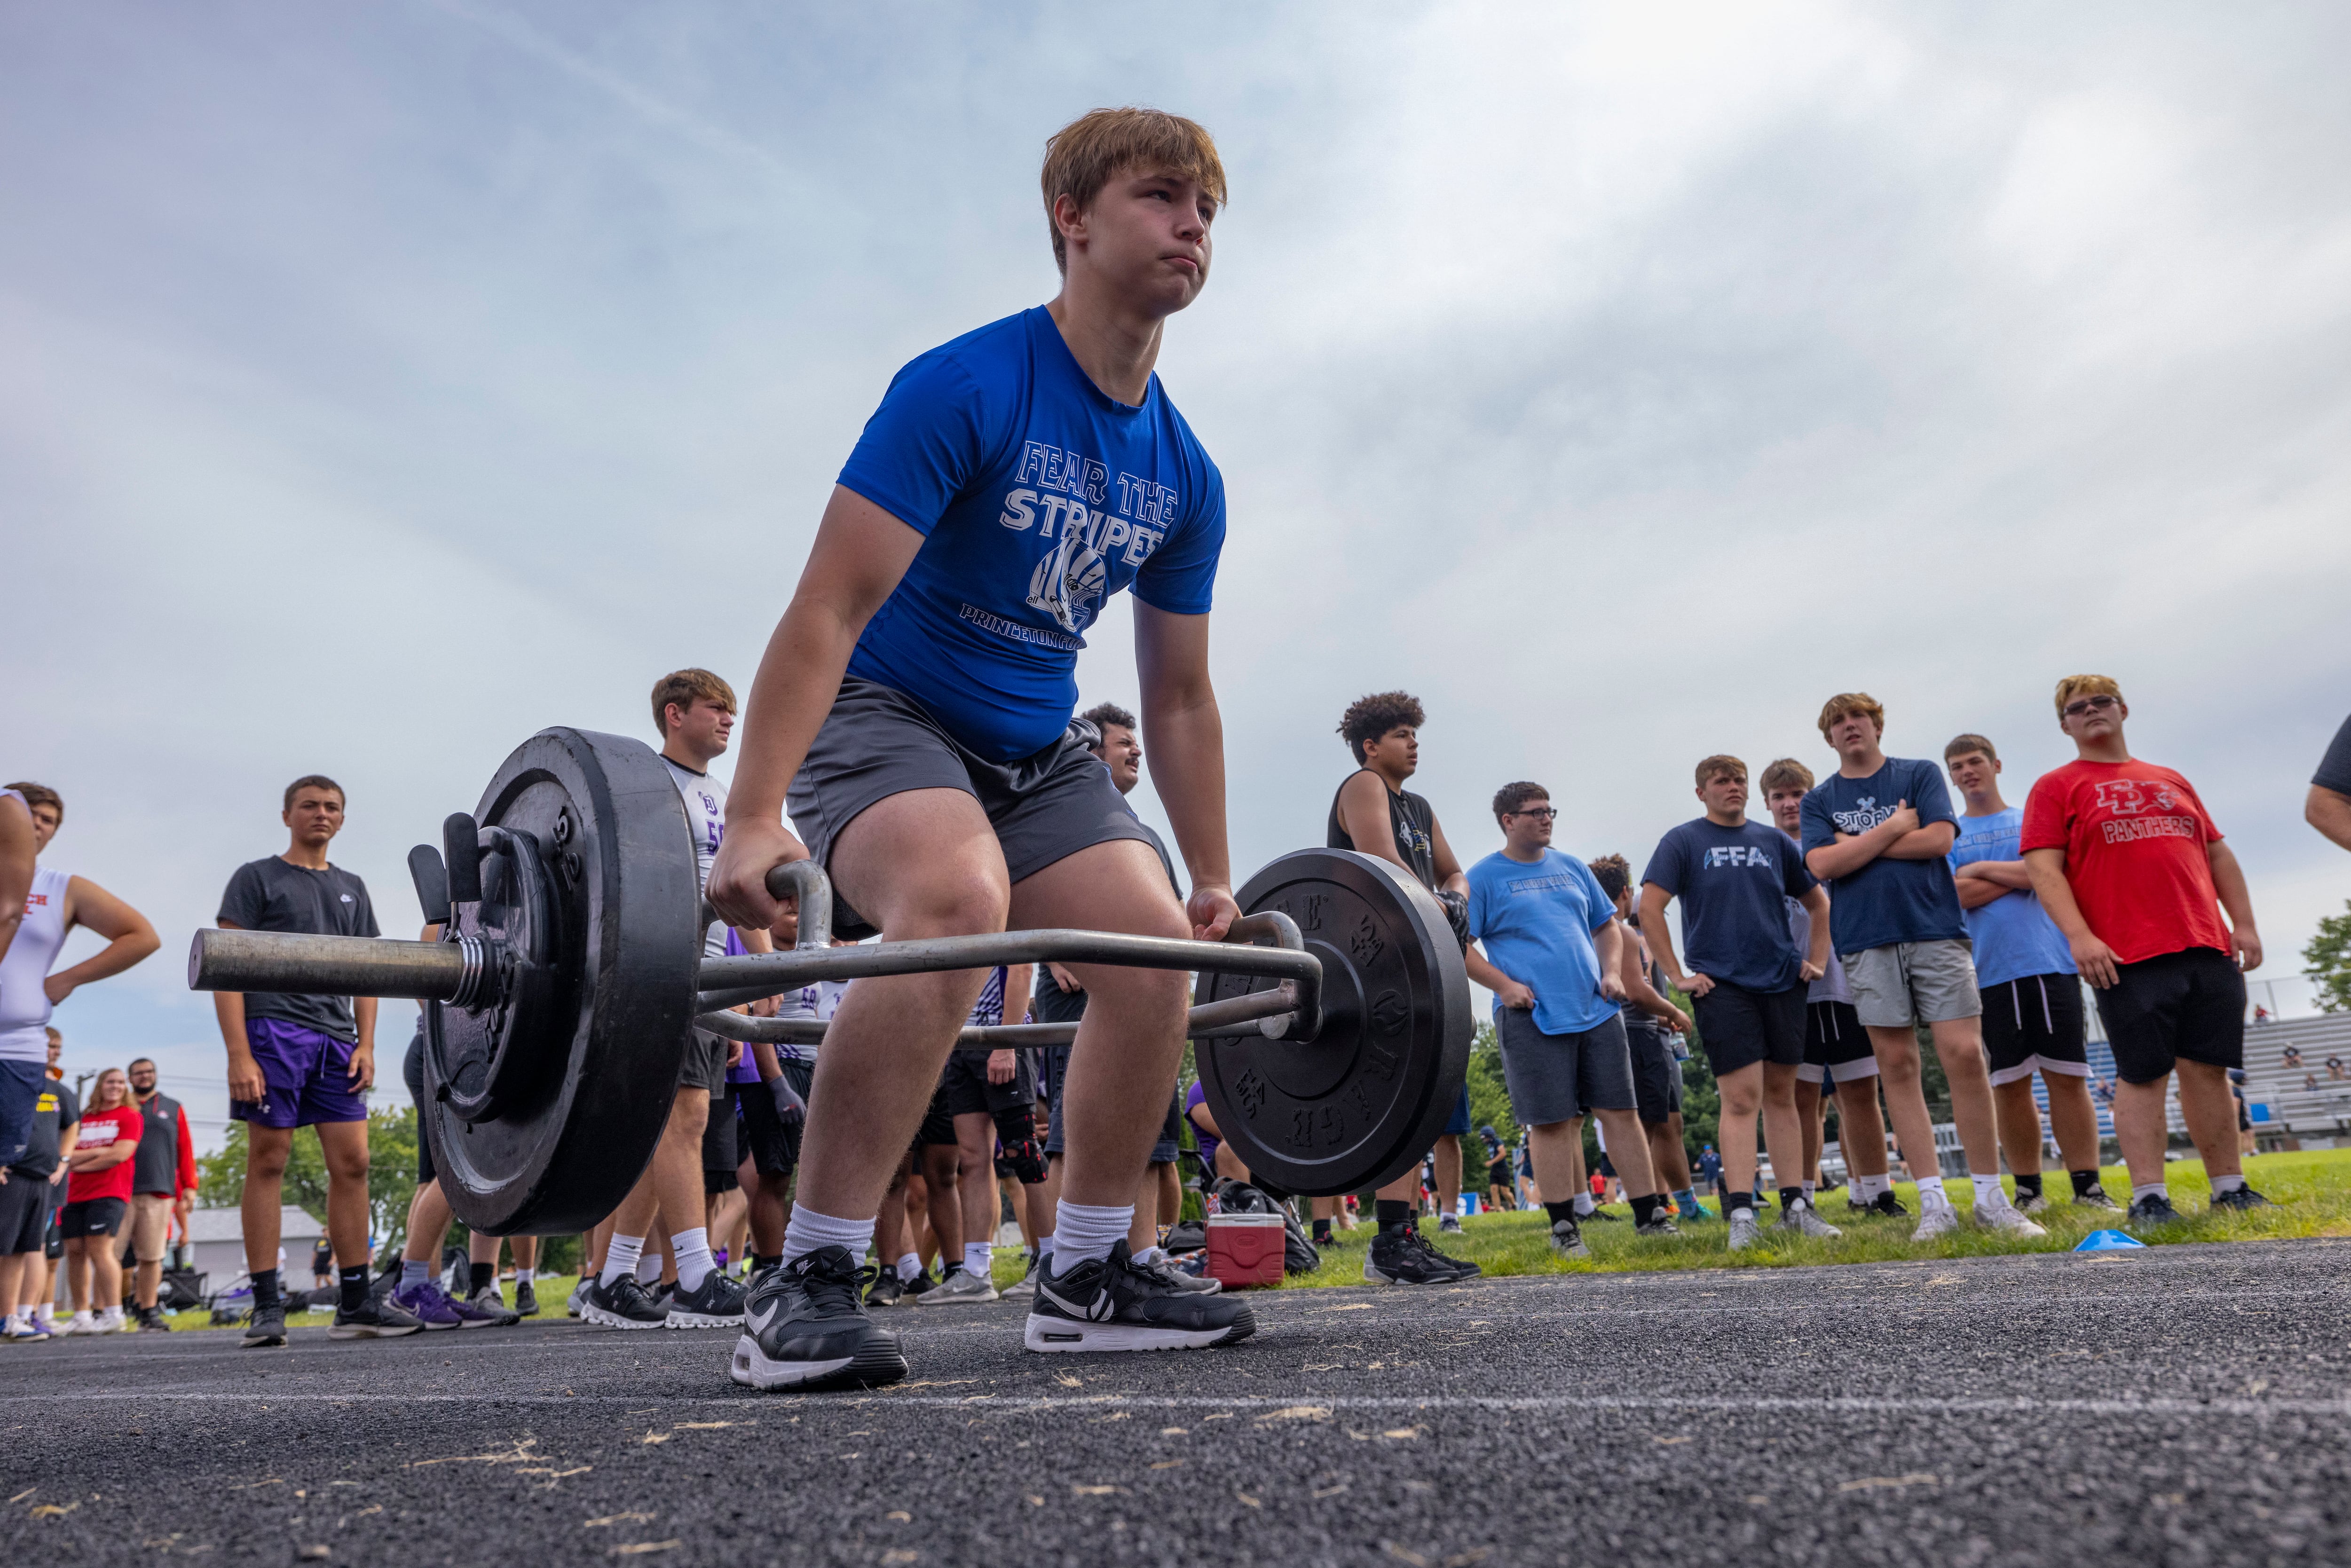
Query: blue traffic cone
[2109,1241]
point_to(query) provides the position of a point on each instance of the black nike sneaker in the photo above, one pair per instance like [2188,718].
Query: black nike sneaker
[2240,1199]
[622,1304]
[911,1292]
[2152,1212]
[717,1305]
[265,1325]
[526,1300]
[1113,1304]
[1888,1207]
[888,1290]
[1404,1258]
[372,1319]
[805,1326]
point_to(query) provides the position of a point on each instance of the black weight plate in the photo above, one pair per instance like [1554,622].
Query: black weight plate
[1359,1105]
[569,1137]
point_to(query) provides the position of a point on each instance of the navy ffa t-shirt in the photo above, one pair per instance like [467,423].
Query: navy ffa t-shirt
[1886,900]
[1732,882]
[1038,496]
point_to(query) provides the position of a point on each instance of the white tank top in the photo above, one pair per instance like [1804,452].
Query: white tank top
[23,1005]
[705,815]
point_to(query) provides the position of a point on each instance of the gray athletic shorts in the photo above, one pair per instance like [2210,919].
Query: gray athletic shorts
[1914,982]
[877,742]
[1558,1077]
[1656,1087]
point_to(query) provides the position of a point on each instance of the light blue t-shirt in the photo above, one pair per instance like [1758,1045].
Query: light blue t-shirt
[1038,496]
[2014,936]
[1536,919]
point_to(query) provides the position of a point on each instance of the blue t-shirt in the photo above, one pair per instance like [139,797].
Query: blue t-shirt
[1733,883]
[1886,900]
[1536,919]
[2014,936]
[1038,496]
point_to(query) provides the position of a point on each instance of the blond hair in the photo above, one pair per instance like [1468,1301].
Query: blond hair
[1721,765]
[1786,774]
[2073,686]
[682,687]
[1846,703]
[1098,146]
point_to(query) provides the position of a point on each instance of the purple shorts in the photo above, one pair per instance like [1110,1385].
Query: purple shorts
[309,1074]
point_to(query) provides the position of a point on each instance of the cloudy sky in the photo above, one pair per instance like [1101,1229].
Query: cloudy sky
[380,383]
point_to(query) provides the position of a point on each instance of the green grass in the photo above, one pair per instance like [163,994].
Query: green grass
[2312,1190]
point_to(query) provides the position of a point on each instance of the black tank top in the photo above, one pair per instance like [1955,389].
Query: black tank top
[1634,1017]
[1409,816]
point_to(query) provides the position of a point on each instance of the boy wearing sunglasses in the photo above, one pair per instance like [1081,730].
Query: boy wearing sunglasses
[2128,863]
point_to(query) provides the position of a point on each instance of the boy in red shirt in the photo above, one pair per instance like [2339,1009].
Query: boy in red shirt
[2128,863]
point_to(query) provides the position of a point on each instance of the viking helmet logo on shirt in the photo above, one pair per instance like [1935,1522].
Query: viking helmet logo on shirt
[1068,584]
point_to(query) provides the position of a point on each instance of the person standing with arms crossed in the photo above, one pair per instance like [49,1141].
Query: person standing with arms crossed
[1374,814]
[2128,863]
[162,1185]
[1876,831]
[304,1061]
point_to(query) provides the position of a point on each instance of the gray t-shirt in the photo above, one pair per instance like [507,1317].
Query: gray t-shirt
[56,1110]
[272,896]
[1831,987]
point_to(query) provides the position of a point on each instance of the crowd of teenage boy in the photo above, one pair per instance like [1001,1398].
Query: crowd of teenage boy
[915,714]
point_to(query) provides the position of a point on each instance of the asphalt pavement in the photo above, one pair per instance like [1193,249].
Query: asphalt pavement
[2183,1404]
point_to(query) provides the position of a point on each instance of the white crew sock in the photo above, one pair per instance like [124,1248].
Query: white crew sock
[1930,1192]
[909,1265]
[1584,1206]
[1810,1187]
[1988,1189]
[414,1271]
[807,1231]
[525,1276]
[1150,1255]
[977,1258]
[648,1266]
[1871,1186]
[620,1258]
[1045,1245]
[694,1263]
[2152,1190]
[1084,1233]
[2227,1184]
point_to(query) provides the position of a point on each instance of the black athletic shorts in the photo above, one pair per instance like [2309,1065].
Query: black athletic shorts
[92,1216]
[411,1072]
[2034,1025]
[704,1066]
[1499,1173]
[938,1124]
[1656,1087]
[718,1156]
[878,742]
[2190,1004]
[26,1203]
[1054,1075]
[1836,1048]
[772,1145]
[965,1090]
[1740,1028]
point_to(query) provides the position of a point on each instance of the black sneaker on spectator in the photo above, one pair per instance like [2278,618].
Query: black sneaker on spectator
[577,1301]
[1449,1225]
[1402,1257]
[1600,1213]
[915,1290]
[888,1290]
[2241,1199]
[526,1300]
[373,1319]
[660,1293]
[150,1319]
[1112,1305]
[1661,1224]
[2095,1197]
[265,1325]
[625,1304]
[2152,1213]
[1567,1240]
[717,1305]
[805,1327]
[1177,1276]
[1885,1206]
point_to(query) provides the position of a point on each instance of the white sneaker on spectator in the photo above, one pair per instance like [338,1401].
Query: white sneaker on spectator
[1936,1217]
[81,1323]
[111,1321]
[2000,1214]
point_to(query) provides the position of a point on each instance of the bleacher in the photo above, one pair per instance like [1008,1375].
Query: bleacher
[2304,1102]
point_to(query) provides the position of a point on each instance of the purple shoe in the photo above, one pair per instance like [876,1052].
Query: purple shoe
[431,1306]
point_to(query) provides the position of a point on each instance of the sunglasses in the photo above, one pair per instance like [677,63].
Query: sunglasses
[2099,703]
